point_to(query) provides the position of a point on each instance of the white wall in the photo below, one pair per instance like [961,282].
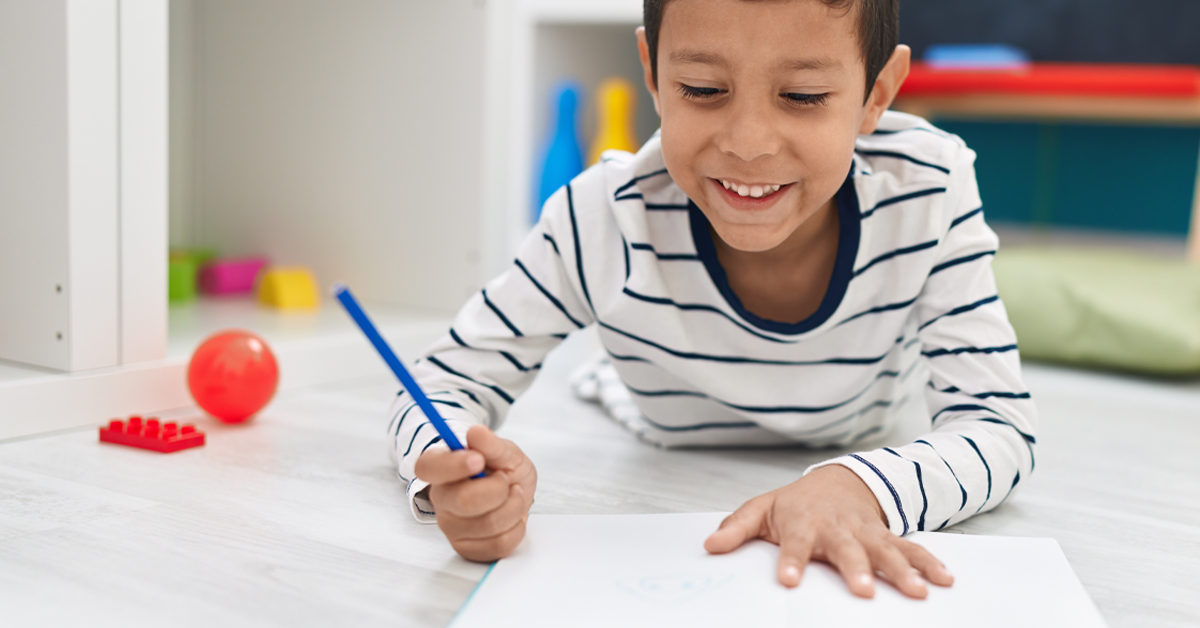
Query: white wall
[344,136]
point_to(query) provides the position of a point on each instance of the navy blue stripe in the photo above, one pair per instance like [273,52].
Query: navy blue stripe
[552,242]
[627,358]
[500,315]
[986,467]
[642,246]
[963,218]
[902,198]
[898,252]
[895,495]
[629,197]
[700,307]
[508,356]
[431,443]
[730,359]
[1029,438]
[766,409]
[937,353]
[962,408]
[960,310]
[665,207]
[625,246]
[449,392]
[961,488]
[496,389]
[404,415]
[880,309]
[549,296]
[698,426]
[920,484]
[960,260]
[908,158]
[1002,395]
[578,250]
[913,128]
[414,436]
[632,182]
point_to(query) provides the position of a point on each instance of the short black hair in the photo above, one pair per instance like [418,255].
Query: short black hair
[878,31]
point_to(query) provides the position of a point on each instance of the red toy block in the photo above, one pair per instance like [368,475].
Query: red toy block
[148,434]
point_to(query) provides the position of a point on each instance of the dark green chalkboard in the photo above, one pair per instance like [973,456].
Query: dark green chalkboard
[1100,31]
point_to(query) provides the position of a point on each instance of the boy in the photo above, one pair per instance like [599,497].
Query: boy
[780,264]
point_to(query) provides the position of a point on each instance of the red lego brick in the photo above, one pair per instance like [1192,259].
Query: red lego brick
[149,434]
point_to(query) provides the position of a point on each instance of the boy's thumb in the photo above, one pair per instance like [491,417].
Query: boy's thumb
[500,453]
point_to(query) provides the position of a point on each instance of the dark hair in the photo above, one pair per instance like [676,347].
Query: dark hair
[878,31]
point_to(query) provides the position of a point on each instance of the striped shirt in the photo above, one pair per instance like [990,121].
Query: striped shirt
[911,308]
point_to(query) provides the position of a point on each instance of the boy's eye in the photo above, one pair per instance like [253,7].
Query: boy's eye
[812,100]
[698,93]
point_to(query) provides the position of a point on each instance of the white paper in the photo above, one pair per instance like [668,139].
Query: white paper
[652,570]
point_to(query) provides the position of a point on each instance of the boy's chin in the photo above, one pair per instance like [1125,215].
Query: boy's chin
[751,238]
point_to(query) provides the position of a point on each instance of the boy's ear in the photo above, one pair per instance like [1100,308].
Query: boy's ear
[647,71]
[886,87]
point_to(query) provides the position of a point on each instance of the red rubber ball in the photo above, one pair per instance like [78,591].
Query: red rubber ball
[232,375]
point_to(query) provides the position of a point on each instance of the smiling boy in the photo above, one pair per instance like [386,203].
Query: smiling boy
[785,262]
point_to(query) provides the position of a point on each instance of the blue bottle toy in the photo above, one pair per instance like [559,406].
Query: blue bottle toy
[564,157]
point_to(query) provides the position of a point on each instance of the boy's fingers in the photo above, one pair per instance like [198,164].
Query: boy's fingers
[889,560]
[795,551]
[925,562]
[471,498]
[847,554]
[441,466]
[500,453]
[494,548]
[744,524]
[495,522]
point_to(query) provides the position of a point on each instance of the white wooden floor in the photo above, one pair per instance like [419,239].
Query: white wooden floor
[297,519]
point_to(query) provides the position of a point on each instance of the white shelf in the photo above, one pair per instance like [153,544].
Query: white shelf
[586,11]
[311,348]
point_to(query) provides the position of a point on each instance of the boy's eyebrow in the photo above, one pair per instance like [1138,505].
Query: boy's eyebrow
[819,64]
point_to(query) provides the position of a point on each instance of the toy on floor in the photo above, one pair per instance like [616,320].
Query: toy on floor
[615,100]
[232,375]
[183,267]
[230,276]
[288,288]
[150,434]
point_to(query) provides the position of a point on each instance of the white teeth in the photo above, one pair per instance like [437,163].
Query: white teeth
[755,191]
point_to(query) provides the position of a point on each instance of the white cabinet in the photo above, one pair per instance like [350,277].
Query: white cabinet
[83,182]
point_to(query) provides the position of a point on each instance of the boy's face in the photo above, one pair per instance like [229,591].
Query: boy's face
[766,98]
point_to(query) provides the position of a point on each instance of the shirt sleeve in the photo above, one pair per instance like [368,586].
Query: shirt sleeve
[495,347]
[982,441]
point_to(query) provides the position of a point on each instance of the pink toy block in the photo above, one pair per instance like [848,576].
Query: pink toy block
[148,434]
[230,276]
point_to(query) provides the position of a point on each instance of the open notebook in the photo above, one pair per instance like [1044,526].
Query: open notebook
[652,570]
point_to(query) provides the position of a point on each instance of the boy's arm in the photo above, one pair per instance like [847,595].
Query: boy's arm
[983,419]
[494,348]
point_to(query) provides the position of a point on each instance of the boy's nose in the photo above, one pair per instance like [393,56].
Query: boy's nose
[750,132]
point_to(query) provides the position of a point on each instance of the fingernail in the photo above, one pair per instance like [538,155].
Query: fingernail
[916,581]
[475,463]
[792,573]
[864,580]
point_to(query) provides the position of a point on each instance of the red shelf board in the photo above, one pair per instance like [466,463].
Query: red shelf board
[1058,79]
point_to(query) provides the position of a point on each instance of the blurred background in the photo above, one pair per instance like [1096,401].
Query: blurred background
[401,146]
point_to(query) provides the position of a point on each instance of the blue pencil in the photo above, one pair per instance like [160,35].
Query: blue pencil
[356,312]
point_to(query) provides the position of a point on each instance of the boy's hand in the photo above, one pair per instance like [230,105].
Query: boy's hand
[830,515]
[483,518]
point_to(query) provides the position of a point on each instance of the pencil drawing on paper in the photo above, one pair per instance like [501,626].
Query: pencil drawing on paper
[673,589]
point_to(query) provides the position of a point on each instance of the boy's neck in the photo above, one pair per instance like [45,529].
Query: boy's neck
[785,284]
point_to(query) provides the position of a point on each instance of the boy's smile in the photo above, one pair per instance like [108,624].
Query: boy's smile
[761,103]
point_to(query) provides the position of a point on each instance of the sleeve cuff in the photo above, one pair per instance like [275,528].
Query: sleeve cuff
[422,508]
[885,493]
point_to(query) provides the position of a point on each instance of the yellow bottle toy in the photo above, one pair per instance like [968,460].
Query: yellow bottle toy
[615,100]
